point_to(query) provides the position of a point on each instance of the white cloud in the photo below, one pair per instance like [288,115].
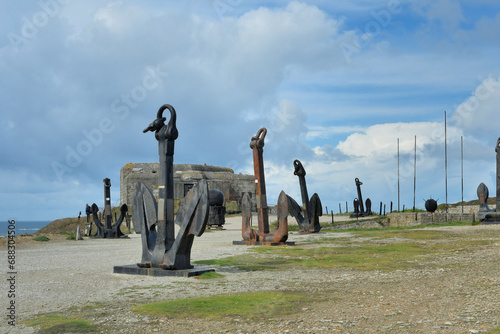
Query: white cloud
[276,65]
[478,114]
[379,141]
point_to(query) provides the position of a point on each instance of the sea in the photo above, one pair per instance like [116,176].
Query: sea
[22,227]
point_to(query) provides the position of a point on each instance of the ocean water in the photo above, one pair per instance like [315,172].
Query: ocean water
[22,227]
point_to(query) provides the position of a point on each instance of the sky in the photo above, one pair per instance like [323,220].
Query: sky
[336,84]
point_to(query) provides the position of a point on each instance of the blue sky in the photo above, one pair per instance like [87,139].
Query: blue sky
[335,84]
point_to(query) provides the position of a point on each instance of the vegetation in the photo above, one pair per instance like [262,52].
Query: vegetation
[210,275]
[373,249]
[248,305]
[41,238]
[55,323]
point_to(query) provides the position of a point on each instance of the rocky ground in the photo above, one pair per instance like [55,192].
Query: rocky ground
[456,293]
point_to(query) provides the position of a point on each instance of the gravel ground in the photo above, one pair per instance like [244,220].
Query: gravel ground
[461,294]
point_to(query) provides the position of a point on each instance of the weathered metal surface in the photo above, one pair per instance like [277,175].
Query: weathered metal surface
[431,205]
[485,214]
[217,210]
[309,222]
[108,229]
[263,234]
[359,208]
[155,220]
[360,196]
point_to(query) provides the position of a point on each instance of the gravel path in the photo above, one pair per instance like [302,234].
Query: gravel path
[464,298]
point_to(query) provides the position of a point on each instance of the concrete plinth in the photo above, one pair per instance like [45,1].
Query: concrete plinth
[133,269]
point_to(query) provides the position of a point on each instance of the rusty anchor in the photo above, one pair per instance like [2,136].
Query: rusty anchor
[155,219]
[309,222]
[262,236]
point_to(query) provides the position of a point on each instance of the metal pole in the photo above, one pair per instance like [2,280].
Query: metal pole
[445,163]
[415,174]
[462,159]
[398,174]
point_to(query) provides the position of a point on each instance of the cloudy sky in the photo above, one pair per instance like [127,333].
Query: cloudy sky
[335,83]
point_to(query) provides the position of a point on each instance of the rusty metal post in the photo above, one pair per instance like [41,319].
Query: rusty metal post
[257,145]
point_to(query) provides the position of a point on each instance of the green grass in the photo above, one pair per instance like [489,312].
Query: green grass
[41,238]
[495,331]
[55,323]
[249,305]
[374,249]
[459,223]
[210,275]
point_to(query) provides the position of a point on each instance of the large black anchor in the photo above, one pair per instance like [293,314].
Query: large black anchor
[309,223]
[108,230]
[155,220]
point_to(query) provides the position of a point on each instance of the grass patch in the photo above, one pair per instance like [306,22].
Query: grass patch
[495,331]
[400,228]
[210,275]
[249,305]
[374,249]
[41,238]
[54,323]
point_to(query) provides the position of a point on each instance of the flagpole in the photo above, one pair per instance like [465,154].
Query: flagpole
[445,163]
[398,175]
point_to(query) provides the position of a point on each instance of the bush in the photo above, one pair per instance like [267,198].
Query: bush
[41,238]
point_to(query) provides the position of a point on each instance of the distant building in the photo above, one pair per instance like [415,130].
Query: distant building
[233,186]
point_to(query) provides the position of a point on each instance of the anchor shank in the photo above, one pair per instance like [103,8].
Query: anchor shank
[166,194]
[360,197]
[107,203]
[260,191]
[305,198]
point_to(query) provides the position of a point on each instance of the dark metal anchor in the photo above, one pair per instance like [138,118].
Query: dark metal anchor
[280,234]
[108,230]
[359,209]
[155,221]
[309,223]
[485,214]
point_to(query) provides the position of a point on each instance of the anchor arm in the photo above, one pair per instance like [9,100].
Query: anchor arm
[116,226]
[100,226]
